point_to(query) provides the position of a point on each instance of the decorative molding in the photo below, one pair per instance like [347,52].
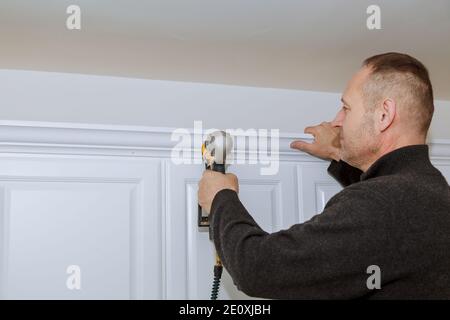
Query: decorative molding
[135,290]
[4,243]
[324,191]
[135,141]
[140,187]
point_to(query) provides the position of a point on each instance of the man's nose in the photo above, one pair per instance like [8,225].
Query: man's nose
[337,122]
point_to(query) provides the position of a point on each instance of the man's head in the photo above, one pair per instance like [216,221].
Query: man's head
[387,104]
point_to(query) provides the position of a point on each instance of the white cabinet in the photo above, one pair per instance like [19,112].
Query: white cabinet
[101,215]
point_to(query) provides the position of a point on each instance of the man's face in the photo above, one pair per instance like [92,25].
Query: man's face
[358,139]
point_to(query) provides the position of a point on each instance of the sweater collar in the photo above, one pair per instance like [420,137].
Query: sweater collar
[412,158]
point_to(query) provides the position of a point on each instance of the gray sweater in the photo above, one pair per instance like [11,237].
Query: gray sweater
[396,215]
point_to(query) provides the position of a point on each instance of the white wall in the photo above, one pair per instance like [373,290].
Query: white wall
[108,198]
[43,96]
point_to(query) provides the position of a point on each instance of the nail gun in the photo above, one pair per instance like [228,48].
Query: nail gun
[215,150]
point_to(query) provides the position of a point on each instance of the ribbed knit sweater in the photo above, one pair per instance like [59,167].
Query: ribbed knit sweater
[395,216]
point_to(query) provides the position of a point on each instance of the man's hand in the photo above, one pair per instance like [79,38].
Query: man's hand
[211,183]
[326,143]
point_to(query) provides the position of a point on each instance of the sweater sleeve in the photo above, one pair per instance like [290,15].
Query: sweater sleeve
[344,173]
[323,258]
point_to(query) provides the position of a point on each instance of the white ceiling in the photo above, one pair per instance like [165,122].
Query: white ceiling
[309,45]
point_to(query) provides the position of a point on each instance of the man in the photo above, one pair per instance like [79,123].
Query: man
[394,212]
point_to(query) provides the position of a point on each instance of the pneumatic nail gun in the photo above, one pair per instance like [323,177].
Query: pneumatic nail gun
[215,150]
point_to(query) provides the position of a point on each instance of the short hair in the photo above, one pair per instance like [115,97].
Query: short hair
[406,80]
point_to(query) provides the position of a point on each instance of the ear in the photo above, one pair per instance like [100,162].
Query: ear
[387,114]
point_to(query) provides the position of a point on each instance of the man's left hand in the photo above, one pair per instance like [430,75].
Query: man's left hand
[211,183]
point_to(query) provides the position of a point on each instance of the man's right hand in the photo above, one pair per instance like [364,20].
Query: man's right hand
[326,143]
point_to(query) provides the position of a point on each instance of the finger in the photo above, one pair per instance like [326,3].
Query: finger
[297,144]
[233,179]
[302,146]
[207,173]
[200,184]
[311,130]
[231,176]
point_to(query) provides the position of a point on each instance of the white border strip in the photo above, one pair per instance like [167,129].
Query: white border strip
[137,141]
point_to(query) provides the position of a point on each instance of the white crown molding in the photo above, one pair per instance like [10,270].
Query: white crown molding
[137,141]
